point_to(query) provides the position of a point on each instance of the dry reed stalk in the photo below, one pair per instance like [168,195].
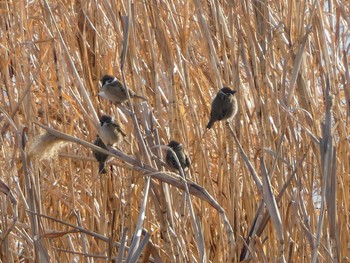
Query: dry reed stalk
[286,59]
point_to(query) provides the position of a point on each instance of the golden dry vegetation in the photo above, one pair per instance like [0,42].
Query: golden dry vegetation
[272,185]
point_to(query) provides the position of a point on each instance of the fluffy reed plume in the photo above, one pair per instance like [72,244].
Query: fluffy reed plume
[45,146]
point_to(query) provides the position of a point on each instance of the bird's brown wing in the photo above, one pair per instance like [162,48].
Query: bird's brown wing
[116,87]
[131,93]
[119,129]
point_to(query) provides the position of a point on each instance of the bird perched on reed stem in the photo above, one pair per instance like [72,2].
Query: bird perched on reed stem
[110,131]
[100,157]
[115,91]
[182,157]
[223,107]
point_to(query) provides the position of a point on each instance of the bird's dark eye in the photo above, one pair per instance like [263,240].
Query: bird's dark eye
[110,81]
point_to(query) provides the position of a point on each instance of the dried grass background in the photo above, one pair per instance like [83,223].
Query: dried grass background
[275,180]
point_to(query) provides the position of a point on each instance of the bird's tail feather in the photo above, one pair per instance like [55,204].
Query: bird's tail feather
[210,124]
[139,97]
[101,168]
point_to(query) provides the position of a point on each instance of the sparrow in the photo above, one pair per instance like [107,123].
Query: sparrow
[110,131]
[223,107]
[100,157]
[177,148]
[115,91]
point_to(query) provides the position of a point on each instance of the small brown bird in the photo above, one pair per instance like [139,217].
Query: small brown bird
[181,156]
[115,91]
[100,157]
[223,107]
[110,131]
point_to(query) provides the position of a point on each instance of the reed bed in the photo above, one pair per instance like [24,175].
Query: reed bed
[272,185]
